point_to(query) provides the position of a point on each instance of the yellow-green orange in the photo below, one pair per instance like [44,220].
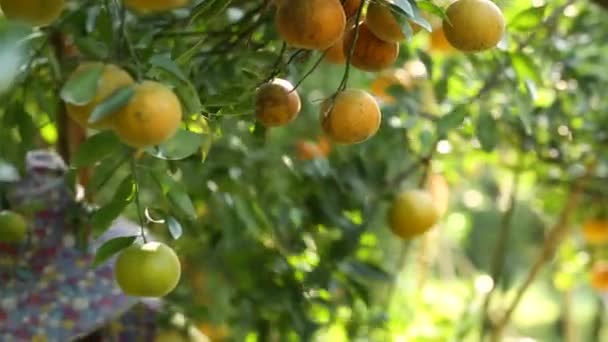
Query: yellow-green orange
[352,117]
[148,270]
[474,25]
[13,227]
[112,78]
[152,116]
[277,103]
[33,12]
[412,214]
[310,24]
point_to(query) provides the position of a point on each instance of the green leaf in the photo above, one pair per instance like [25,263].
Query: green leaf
[178,197]
[429,7]
[365,272]
[175,228]
[528,19]
[102,219]
[81,89]
[404,6]
[165,62]
[96,148]
[525,68]
[450,121]
[487,133]
[182,145]
[112,103]
[111,247]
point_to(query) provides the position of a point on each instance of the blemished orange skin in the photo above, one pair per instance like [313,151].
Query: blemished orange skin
[112,78]
[277,103]
[351,7]
[383,24]
[474,25]
[310,24]
[147,6]
[412,214]
[352,117]
[595,232]
[33,12]
[599,276]
[439,43]
[152,116]
[370,52]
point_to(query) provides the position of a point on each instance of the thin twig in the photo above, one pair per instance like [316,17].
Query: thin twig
[553,239]
[137,200]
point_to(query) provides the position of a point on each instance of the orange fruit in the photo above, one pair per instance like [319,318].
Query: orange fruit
[595,232]
[147,6]
[383,24]
[387,79]
[308,150]
[335,53]
[148,270]
[353,116]
[277,103]
[112,79]
[151,117]
[474,25]
[599,276]
[370,52]
[351,7]
[33,12]
[310,24]
[13,227]
[439,43]
[412,214]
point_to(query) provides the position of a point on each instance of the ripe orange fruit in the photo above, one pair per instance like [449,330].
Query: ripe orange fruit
[474,25]
[352,117]
[13,227]
[33,12]
[112,78]
[599,276]
[308,150]
[387,79]
[383,24]
[335,53]
[350,7]
[148,270]
[412,214]
[277,103]
[439,43]
[370,52]
[310,24]
[595,232]
[147,6]
[151,117]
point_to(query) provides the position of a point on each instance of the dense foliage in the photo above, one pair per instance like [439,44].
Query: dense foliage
[276,245]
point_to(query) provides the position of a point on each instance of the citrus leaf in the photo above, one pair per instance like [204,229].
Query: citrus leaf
[175,228]
[450,121]
[182,145]
[96,148]
[165,62]
[112,103]
[102,219]
[81,89]
[487,133]
[111,247]
[528,19]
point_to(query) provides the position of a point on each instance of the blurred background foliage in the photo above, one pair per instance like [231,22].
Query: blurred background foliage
[279,245]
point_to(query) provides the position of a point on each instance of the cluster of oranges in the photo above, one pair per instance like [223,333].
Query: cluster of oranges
[152,115]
